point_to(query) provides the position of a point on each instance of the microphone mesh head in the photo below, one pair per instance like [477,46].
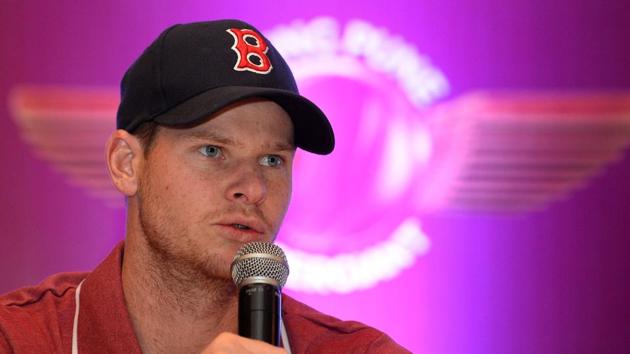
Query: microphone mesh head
[260,260]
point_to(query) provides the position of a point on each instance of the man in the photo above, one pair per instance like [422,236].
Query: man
[208,124]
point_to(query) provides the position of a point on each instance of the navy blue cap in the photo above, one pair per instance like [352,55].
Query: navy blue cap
[194,70]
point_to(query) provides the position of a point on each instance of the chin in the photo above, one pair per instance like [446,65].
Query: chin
[214,265]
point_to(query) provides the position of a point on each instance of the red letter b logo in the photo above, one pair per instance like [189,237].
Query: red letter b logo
[251,50]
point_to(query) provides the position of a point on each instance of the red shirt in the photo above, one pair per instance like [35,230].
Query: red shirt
[41,319]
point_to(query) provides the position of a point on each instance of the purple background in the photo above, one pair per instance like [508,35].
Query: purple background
[547,282]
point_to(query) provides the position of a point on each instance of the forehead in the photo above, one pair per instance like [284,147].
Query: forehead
[252,121]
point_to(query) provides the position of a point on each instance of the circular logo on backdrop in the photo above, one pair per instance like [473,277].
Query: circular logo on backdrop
[350,224]
[352,221]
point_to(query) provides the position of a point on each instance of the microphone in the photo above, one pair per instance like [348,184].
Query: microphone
[260,270]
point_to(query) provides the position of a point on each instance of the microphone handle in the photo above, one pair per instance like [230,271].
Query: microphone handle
[259,312]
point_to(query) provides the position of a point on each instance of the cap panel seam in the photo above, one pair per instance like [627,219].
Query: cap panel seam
[159,72]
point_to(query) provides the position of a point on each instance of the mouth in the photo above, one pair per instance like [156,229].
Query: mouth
[241,227]
[242,233]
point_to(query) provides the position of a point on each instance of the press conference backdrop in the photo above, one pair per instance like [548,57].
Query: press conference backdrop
[477,199]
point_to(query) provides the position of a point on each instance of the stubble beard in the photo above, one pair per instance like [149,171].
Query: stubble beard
[175,258]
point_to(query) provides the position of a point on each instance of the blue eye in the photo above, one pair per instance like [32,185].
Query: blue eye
[210,151]
[271,160]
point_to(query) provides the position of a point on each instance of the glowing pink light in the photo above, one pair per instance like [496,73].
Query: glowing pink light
[394,159]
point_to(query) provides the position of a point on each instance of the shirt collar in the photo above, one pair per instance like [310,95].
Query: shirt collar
[104,323]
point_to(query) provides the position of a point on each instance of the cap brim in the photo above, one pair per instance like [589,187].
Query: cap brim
[313,131]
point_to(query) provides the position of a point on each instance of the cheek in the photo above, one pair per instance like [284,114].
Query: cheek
[279,195]
[168,187]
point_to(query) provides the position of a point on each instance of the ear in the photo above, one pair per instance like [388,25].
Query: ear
[125,157]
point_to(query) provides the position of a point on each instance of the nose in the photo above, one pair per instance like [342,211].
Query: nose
[248,186]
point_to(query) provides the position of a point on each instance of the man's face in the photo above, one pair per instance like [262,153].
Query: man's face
[205,191]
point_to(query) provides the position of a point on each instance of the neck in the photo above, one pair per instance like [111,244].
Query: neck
[190,311]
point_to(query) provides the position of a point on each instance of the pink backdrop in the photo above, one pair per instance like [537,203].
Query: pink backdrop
[550,281]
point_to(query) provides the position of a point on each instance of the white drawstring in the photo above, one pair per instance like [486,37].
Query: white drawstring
[75,326]
[285,337]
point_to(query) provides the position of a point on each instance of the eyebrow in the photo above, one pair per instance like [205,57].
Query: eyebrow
[211,134]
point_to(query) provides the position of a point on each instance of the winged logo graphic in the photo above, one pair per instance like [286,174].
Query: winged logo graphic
[399,155]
